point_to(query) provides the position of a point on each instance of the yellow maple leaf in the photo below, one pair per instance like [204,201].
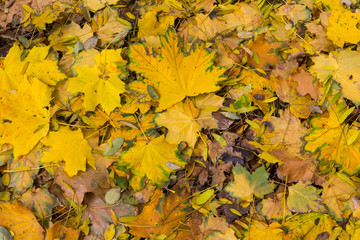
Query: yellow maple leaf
[151,25]
[260,230]
[20,220]
[25,115]
[343,26]
[95,5]
[174,74]
[101,83]
[309,226]
[331,139]
[152,159]
[13,69]
[68,146]
[181,122]
[39,67]
[34,65]
[343,67]
[48,15]
[67,35]
[337,194]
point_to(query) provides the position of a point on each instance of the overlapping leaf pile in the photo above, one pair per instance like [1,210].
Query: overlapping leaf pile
[191,119]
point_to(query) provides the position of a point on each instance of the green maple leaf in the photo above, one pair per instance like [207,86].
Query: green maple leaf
[246,185]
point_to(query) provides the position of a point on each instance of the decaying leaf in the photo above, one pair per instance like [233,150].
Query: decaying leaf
[309,226]
[337,194]
[171,212]
[304,198]
[329,137]
[247,185]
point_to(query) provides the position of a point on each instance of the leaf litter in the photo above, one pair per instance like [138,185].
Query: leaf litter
[191,119]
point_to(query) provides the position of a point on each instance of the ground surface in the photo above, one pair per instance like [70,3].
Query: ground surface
[179,119]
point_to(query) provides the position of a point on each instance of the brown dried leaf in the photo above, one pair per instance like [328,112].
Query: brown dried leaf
[306,84]
[99,213]
[95,181]
[295,167]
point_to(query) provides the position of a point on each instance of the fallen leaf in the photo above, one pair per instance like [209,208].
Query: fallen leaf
[342,66]
[247,185]
[306,84]
[40,201]
[20,221]
[162,214]
[295,167]
[25,115]
[180,120]
[26,168]
[309,226]
[336,194]
[9,74]
[261,230]
[99,213]
[100,84]
[76,148]
[94,181]
[59,230]
[343,26]
[267,53]
[304,198]
[275,208]
[151,159]
[172,73]
[329,138]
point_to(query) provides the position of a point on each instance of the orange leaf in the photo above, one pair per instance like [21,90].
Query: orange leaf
[20,220]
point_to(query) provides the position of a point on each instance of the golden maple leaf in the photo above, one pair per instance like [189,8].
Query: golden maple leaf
[13,69]
[181,122]
[25,115]
[308,226]
[331,139]
[71,147]
[337,194]
[101,83]
[39,67]
[343,25]
[260,230]
[20,220]
[343,67]
[176,75]
[152,159]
